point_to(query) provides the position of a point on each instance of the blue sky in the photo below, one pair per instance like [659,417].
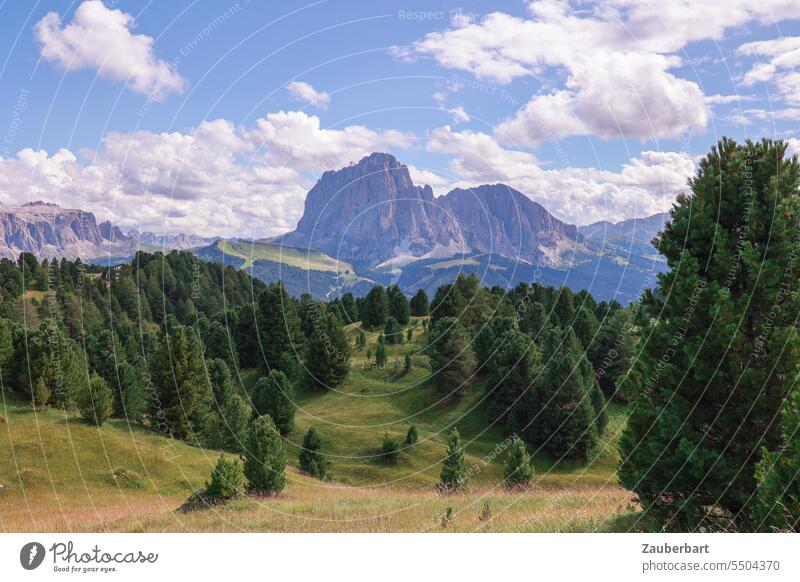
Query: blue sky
[216,117]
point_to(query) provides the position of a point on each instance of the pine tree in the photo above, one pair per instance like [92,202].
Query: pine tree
[40,395]
[179,377]
[375,307]
[274,395]
[447,302]
[312,460]
[419,304]
[778,476]
[565,420]
[96,401]
[392,331]
[721,346]
[489,339]
[406,363]
[279,331]
[512,371]
[130,400]
[390,448]
[265,457]
[412,436]
[380,352]
[227,480]
[612,351]
[585,326]
[454,475]
[451,355]
[518,470]
[328,354]
[399,307]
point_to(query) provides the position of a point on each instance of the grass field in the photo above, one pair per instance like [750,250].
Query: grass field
[303,259]
[61,474]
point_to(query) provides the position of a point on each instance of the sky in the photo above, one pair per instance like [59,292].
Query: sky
[216,117]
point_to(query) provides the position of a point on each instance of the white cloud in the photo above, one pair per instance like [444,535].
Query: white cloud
[100,39]
[780,67]
[215,179]
[459,115]
[614,59]
[308,94]
[644,185]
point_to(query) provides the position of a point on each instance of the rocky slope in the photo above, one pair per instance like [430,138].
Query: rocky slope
[371,214]
[498,219]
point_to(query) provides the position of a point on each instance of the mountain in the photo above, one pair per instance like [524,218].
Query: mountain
[371,212]
[179,241]
[634,230]
[47,230]
[498,219]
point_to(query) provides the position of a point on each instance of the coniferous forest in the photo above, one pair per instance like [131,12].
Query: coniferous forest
[690,391]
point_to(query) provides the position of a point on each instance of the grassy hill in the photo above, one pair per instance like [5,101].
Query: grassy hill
[61,474]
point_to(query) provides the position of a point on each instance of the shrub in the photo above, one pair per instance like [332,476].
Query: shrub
[518,470]
[411,436]
[227,480]
[390,448]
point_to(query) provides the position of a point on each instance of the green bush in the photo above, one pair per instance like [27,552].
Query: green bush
[390,448]
[96,401]
[411,436]
[227,480]
[312,460]
[518,470]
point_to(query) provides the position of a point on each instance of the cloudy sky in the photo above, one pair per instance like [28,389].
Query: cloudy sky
[216,117]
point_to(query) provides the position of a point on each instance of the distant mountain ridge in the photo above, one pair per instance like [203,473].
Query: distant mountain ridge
[47,230]
[372,214]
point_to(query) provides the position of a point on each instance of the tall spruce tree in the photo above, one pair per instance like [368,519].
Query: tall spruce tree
[512,371]
[720,343]
[312,460]
[274,395]
[455,474]
[518,470]
[279,331]
[399,307]
[180,380]
[565,420]
[375,307]
[264,457]
[419,304]
[327,360]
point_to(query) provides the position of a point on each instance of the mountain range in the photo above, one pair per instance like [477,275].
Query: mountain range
[368,222]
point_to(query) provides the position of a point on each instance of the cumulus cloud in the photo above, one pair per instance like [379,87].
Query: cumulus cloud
[645,185]
[779,68]
[458,114]
[217,178]
[100,39]
[616,62]
[308,94]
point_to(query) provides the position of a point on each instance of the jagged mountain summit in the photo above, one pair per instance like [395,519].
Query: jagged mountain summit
[371,214]
[49,231]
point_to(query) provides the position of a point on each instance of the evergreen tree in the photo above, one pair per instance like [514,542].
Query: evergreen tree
[450,354]
[406,363]
[489,338]
[312,460]
[585,327]
[376,307]
[328,354]
[518,470]
[399,307]
[412,436]
[96,401]
[512,371]
[40,393]
[279,331]
[274,395]
[228,426]
[721,347]
[180,380]
[390,448]
[447,302]
[265,457]
[227,480]
[454,475]
[130,399]
[612,351]
[392,331]
[565,421]
[419,304]
[778,476]
[380,352]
